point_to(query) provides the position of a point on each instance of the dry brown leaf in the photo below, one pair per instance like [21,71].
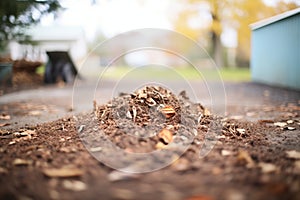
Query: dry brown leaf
[4,117]
[160,145]
[166,136]
[63,172]
[168,111]
[4,124]
[244,156]
[206,112]
[293,154]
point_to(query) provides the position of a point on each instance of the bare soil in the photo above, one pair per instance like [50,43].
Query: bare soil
[248,159]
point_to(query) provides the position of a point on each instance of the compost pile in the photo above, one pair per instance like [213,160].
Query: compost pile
[152,118]
[24,73]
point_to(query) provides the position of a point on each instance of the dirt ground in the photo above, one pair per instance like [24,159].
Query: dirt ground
[254,155]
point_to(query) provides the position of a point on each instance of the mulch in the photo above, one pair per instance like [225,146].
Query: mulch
[197,155]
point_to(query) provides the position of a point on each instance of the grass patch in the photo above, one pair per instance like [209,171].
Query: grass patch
[189,73]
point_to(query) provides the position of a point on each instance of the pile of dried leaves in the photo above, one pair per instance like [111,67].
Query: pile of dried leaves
[152,118]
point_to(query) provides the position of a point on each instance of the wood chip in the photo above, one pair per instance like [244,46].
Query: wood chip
[166,136]
[267,167]
[280,124]
[293,154]
[291,128]
[168,111]
[128,115]
[96,149]
[80,129]
[134,112]
[63,172]
[241,130]
[150,102]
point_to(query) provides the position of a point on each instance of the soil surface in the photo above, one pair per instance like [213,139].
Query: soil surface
[252,152]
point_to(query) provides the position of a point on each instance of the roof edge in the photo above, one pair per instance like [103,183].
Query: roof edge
[273,19]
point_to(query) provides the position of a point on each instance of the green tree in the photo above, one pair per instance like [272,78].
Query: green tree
[17,15]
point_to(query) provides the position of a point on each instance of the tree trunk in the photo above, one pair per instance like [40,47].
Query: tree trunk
[217,50]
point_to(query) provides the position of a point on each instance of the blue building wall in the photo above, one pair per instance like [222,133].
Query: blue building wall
[275,53]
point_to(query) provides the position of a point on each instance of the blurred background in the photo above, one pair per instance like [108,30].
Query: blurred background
[31,28]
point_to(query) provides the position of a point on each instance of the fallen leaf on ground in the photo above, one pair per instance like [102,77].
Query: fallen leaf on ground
[4,124]
[74,185]
[206,112]
[19,161]
[5,117]
[160,145]
[293,154]
[63,172]
[267,167]
[244,156]
[166,136]
[168,111]
[280,124]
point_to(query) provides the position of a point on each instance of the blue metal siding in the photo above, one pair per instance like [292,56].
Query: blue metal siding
[276,53]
